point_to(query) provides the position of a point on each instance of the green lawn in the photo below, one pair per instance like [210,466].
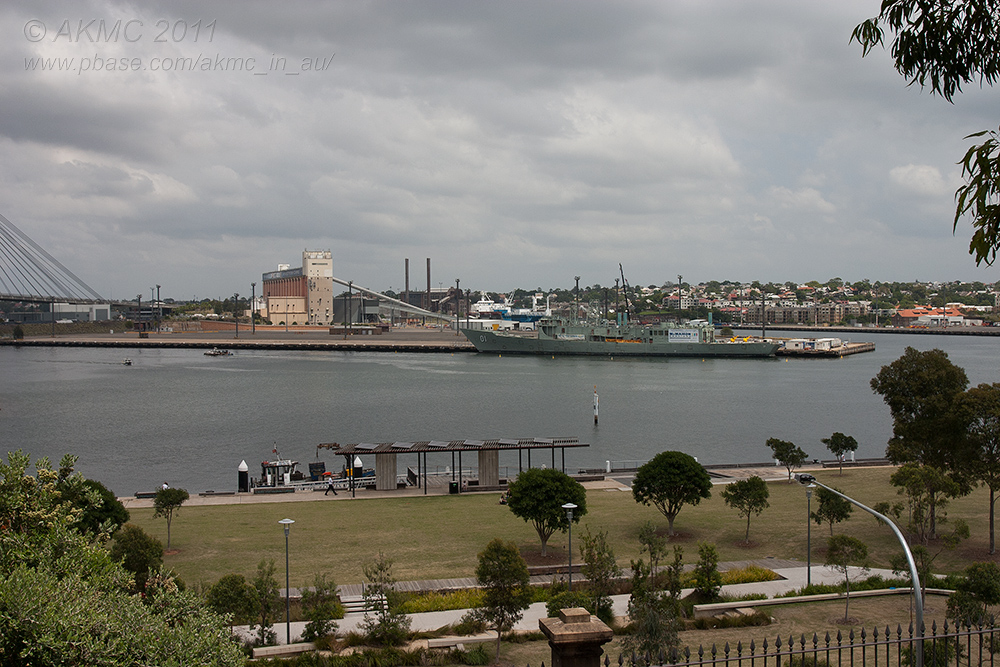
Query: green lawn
[439,536]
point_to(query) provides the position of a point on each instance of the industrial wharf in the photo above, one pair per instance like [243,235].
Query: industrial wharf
[403,339]
[407,339]
[843,350]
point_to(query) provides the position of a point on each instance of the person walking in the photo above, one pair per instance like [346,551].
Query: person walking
[330,487]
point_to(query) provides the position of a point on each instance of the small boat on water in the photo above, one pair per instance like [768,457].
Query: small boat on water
[126,362]
[216,352]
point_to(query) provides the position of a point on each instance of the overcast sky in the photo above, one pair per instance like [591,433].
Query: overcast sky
[515,144]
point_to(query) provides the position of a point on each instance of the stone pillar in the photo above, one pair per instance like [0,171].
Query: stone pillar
[575,638]
[385,471]
[489,467]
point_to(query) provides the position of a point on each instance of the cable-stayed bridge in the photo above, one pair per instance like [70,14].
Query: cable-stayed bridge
[28,273]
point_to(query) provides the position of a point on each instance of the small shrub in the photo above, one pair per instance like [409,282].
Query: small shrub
[750,574]
[477,655]
[434,601]
[469,625]
[755,619]
[541,594]
[707,579]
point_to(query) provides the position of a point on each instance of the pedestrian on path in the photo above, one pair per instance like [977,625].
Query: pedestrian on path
[330,487]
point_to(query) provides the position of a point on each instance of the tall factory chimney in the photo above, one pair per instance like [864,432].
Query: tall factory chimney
[428,283]
[407,289]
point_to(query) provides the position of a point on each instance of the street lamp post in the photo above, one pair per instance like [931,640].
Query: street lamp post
[159,309]
[569,507]
[253,308]
[287,523]
[809,495]
[918,603]
[236,312]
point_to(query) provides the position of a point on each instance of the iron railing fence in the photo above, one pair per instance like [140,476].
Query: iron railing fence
[961,646]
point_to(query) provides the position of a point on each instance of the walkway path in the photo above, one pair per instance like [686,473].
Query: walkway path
[792,575]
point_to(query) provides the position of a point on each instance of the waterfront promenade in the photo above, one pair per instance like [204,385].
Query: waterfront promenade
[397,339]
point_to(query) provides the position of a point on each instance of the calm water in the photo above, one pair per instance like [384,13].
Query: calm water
[182,417]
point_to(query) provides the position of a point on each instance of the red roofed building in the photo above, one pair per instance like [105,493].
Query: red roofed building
[923,316]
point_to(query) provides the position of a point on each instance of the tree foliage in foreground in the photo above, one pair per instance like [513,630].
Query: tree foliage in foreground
[839,445]
[166,503]
[320,606]
[65,601]
[787,454]
[232,596]
[842,553]
[980,407]
[669,481]
[923,390]
[748,497]
[138,552]
[974,595]
[503,576]
[830,508]
[601,570]
[537,496]
[941,46]
[385,623]
[654,614]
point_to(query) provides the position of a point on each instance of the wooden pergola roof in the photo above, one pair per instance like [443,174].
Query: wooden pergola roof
[421,446]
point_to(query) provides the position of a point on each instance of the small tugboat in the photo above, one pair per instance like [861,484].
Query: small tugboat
[126,362]
[216,352]
[279,475]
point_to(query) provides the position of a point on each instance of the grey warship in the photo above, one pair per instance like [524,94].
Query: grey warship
[620,339]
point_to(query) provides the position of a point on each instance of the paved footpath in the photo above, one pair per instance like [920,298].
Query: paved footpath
[792,577]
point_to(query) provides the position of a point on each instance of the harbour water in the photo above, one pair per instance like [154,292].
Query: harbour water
[178,416]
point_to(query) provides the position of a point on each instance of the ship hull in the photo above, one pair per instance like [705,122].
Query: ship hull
[500,343]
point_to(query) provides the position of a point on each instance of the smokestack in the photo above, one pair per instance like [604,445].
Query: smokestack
[407,291]
[428,283]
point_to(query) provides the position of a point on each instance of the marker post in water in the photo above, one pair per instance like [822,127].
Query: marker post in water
[595,405]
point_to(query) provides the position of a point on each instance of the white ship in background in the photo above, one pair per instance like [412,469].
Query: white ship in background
[486,308]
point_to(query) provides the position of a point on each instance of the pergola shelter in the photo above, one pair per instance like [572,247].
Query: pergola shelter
[487,451]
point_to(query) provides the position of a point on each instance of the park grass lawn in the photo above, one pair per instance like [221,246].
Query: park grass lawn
[438,537]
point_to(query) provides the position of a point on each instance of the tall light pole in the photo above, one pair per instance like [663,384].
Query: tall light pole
[918,602]
[236,312]
[159,309]
[809,495]
[253,308]
[287,523]
[569,507]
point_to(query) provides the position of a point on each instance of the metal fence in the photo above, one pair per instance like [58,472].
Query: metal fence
[959,646]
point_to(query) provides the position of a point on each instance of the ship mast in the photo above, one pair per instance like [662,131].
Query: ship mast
[628,306]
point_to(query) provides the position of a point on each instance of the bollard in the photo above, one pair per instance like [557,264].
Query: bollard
[575,638]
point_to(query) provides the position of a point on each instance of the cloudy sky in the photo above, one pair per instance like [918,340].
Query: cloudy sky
[516,144]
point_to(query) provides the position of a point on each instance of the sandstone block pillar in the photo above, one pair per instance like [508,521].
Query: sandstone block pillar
[575,638]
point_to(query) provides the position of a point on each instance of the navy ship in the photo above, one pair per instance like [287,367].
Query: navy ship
[620,339]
